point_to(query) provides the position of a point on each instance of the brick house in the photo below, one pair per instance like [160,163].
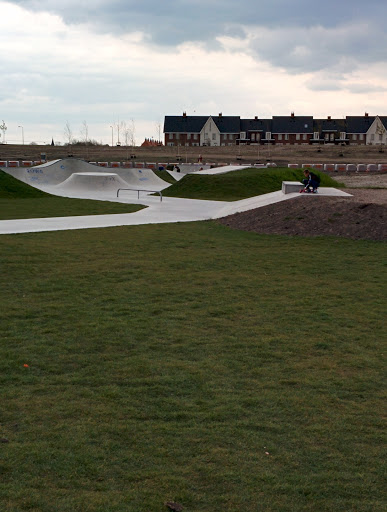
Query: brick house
[232,130]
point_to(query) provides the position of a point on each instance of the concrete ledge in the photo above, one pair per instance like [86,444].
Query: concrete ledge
[289,187]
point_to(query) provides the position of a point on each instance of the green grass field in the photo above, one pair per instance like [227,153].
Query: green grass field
[224,370]
[237,185]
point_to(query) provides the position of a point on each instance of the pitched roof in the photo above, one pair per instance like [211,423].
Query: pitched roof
[184,124]
[194,124]
[256,125]
[359,124]
[227,124]
[330,125]
[292,124]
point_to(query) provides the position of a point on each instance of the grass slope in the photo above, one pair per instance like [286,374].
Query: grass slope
[165,176]
[21,201]
[237,185]
[220,369]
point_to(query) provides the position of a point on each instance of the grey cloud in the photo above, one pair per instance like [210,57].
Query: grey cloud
[339,49]
[364,88]
[288,26]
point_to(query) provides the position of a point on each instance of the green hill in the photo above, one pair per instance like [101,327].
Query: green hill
[11,188]
[236,185]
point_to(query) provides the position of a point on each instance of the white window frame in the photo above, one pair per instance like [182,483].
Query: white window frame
[268,135]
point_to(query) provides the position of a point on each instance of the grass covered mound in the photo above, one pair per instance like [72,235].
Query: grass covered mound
[219,369]
[236,185]
[165,176]
[12,188]
[19,200]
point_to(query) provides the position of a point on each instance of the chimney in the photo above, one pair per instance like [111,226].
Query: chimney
[292,114]
[329,118]
[366,114]
[220,114]
[184,114]
[256,118]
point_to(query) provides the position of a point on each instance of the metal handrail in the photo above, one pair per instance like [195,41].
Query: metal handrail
[141,190]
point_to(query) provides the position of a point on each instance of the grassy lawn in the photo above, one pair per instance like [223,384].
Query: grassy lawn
[237,185]
[224,370]
[53,206]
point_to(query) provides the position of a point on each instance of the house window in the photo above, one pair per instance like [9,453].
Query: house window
[268,135]
[354,136]
[297,136]
[242,135]
[304,136]
[286,136]
[280,136]
[327,136]
[253,136]
[214,136]
[342,135]
[258,136]
[316,135]
[361,136]
[372,136]
[332,136]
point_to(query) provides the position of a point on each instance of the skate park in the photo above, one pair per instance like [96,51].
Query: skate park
[75,178]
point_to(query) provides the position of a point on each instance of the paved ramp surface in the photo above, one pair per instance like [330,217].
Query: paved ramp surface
[224,169]
[85,182]
[56,172]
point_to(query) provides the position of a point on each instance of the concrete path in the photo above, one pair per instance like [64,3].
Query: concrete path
[169,210]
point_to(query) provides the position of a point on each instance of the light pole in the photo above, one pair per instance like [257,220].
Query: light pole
[112,135]
[22,133]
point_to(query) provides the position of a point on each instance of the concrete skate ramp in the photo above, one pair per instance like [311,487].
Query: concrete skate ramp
[87,182]
[144,179]
[53,173]
[50,173]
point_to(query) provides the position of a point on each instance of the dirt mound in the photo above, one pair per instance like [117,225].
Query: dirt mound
[362,216]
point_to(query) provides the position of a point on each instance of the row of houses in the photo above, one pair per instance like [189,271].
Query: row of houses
[232,130]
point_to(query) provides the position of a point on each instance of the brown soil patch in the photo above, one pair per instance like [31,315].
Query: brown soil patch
[362,216]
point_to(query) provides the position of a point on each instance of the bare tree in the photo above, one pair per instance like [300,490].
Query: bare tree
[68,134]
[132,133]
[85,132]
[120,126]
[3,128]
[85,137]
[129,132]
[158,131]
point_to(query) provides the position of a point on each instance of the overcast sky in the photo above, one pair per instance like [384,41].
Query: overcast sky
[111,61]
